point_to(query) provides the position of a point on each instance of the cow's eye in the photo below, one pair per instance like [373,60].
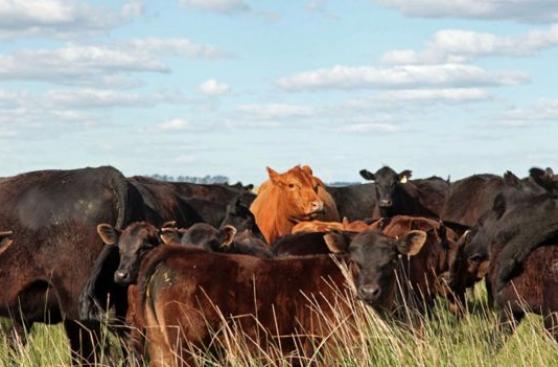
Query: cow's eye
[291,186]
[316,188]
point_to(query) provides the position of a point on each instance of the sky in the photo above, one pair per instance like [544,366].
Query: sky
[196,87]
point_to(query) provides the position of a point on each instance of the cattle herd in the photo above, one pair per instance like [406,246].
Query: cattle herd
[166,264]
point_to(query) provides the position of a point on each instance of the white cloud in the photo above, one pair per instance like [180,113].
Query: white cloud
[174,124]
[171,46]
[530,11]
[86,63]
[367,127]
[61,17]
[405,76]
[453,45]
[102,98]
[435,95]
[212,87]
[219,6]
[274,111]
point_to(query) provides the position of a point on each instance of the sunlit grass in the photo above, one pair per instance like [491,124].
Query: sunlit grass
[442,340]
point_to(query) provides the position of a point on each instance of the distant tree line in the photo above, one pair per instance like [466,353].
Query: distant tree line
[207,179]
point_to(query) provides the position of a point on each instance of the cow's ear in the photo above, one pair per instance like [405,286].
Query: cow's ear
[108,233]
[308,170]
[337,242]
[411,243]
[169,224]
[273,175]
[510,179]
[545,178]
[169,235]
[367,175]
[404,176]
[226,236]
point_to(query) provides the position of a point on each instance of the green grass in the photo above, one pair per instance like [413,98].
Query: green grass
[443,340]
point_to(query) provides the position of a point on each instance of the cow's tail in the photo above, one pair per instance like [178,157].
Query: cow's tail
[128,201]
[120,189]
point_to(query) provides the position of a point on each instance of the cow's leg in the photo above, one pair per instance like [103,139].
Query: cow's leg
[84,341]
[489,296]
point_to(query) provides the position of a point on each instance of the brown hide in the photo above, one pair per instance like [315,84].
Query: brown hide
[425,268]
[287,198]
[187,292]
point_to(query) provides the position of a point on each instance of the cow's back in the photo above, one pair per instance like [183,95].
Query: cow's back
[184,287]
[471,197]
[355,201]
[54,215]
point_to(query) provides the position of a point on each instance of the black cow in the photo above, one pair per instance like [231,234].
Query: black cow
[523,249]
[511,204]
[354,202]
[53,215]
[470,198]
[220,193]
[396,194]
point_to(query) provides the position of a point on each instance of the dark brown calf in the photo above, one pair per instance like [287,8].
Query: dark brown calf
[390,272]
[186,293]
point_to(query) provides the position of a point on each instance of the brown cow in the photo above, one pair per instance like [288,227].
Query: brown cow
[287,198]
[185,294]
[320,226]
[418,274]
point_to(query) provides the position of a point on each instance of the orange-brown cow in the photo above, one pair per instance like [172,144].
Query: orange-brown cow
[320,226]
[290,197]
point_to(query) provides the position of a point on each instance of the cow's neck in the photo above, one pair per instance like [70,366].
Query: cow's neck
[269,212]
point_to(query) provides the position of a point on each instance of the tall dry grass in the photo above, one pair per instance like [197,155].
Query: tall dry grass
[365,340]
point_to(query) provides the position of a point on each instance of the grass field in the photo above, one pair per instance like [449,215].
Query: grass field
[443,340]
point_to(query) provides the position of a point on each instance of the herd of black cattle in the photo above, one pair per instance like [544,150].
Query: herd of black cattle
[55,267]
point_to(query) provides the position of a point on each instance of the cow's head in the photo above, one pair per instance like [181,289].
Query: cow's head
[201,235]
[545,178]
[387,182]
[470,262]
[374,260]
[298,192]
[239,216]
[133,243]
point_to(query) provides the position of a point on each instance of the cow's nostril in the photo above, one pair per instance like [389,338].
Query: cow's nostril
[385,202]
[120,275]
[370,291]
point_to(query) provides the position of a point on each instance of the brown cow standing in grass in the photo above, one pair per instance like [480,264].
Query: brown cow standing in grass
[290,197]
[391,272]
[184,294]
[138,239]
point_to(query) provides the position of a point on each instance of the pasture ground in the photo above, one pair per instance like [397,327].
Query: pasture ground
[442,341]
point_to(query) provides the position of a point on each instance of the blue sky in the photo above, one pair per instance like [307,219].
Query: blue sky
[196,87]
